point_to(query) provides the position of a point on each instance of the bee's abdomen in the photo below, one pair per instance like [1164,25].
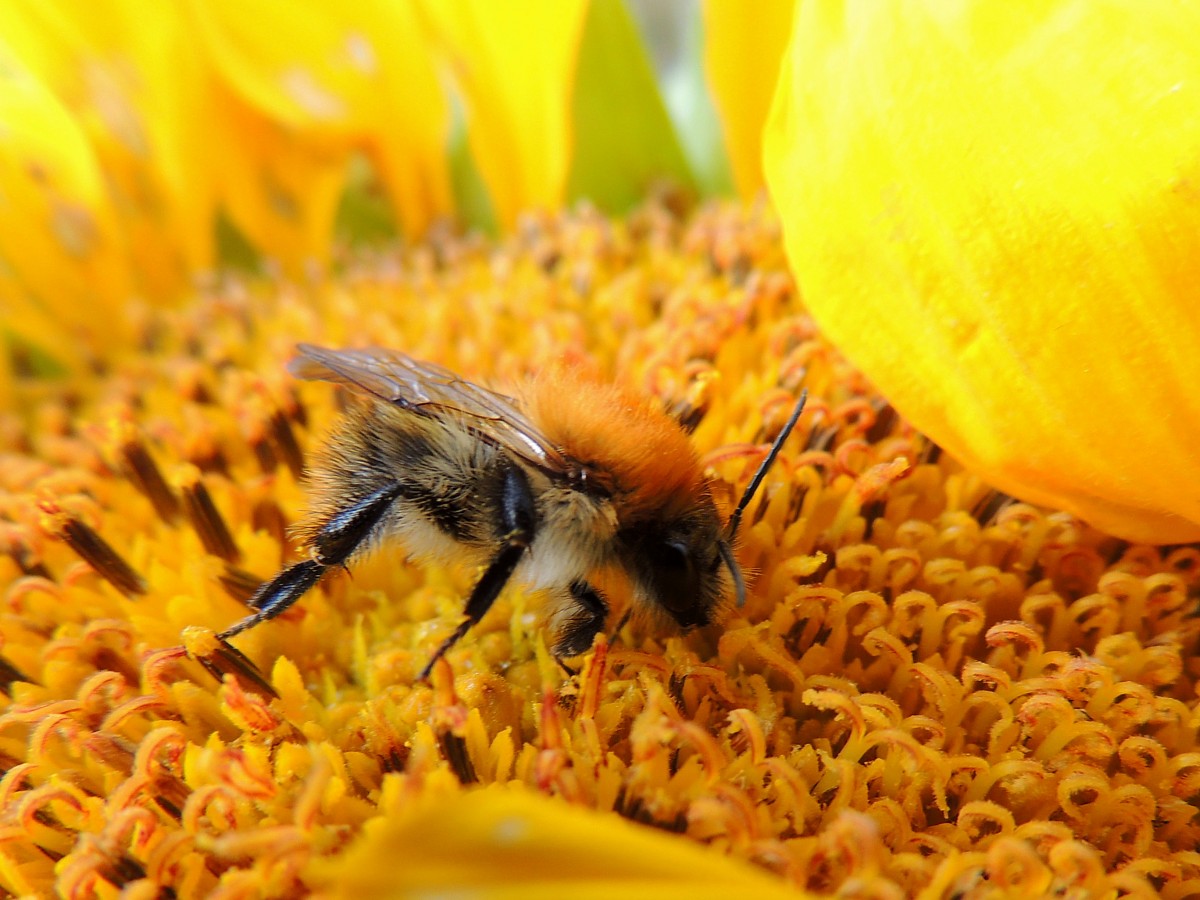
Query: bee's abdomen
[444,483]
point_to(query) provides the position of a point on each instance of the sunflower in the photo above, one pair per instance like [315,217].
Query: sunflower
[967,662]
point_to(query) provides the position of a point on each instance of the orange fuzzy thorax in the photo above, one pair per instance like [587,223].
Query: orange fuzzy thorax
[621,434]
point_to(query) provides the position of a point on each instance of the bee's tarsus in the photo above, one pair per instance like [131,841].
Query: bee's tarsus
[621,623]
[570,671]
[278,594]
[486,591]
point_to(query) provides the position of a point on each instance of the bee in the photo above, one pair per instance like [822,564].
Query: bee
[551,488]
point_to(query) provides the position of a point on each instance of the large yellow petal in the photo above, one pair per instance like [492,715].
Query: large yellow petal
[510,842]
[743,44]
[63,274]
[131,76]
[993,210]
[514,64]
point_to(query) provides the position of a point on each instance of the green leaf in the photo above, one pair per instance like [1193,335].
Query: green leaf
[686,93]
[471,197]
[28,359]
[364,216]
[234,249]
[624,140]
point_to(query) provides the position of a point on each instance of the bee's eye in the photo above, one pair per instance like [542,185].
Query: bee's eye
[674,573]
[671,565]
[674,556]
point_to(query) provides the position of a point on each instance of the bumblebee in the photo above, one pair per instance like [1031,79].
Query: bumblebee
[565,479]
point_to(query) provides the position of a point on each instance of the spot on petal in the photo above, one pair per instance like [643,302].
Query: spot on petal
[511,831]
[299,84]
[74,228]
[361,53]
[112,103]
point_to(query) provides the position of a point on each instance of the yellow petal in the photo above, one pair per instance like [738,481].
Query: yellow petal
[320,70]
[132,78]
[743,44]
[992,209]
[514,63]
[281,192]
[339,78]
[62,261]
[408,136]
[511,842]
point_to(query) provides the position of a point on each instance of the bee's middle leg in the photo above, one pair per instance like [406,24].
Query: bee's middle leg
[518,514]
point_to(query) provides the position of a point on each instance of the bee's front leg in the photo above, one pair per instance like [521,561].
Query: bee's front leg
[334,543]
[584,621]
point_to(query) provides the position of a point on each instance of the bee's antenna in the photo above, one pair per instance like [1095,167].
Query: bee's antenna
[739,583]
[752,487]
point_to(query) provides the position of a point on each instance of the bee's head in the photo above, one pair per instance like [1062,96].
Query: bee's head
[683,560]
[682,565]
[681,555]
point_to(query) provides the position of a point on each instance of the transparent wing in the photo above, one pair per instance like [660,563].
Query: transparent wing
[431,390]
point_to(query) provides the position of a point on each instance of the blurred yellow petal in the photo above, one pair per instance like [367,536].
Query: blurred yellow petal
[339,78]
[8,395]
[743,44]
[131,76]
[515,64]
[62,262]
[409,135]
[281,192]
[992,210]
[315,70]
[510,842]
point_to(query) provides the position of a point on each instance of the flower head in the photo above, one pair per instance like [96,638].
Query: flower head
[931,688]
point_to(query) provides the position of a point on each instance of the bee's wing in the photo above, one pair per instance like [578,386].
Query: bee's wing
[431,390]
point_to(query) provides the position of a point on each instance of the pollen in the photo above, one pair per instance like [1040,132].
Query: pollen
[931,687]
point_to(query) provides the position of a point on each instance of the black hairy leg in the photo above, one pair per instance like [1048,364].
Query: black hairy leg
[335,542]
[519,523]
[586,621]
